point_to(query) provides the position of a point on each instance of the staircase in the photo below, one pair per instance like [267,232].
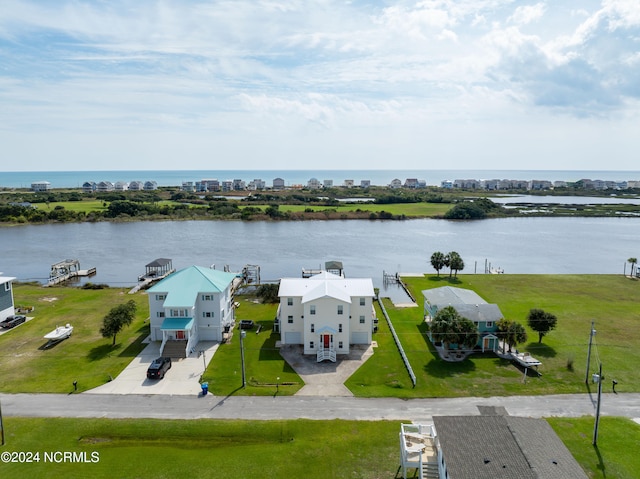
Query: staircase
[175,349]
[430,470]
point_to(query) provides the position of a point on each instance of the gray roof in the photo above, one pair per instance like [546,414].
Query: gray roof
[503,447]
[159,262]
[448,295]
[479,312]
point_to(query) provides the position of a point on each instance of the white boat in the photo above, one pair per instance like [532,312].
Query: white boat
[60,333]
[525,359]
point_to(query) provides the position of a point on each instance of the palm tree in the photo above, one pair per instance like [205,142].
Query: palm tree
[511,333]
[454,262]
[437,261]
[633,262]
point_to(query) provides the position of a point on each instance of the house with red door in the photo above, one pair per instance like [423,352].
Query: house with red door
[191,305]
[326,313]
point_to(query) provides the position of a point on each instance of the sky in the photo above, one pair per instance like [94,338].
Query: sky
[319,84]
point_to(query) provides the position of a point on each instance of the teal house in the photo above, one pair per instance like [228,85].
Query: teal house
[469,305]
[191,305]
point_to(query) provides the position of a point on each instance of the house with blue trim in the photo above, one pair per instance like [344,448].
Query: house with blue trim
[469,305]
[191,305]
[6,297]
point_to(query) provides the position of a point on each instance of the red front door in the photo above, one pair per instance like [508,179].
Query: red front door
[326,339]
[179,334]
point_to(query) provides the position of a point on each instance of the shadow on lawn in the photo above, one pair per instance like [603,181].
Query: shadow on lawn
[541,350]
[102,351]
[444,279]
[442,369]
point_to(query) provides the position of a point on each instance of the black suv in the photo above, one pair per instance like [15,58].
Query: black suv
[158,368]
[13,321]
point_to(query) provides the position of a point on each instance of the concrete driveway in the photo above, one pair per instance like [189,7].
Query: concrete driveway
[182,379]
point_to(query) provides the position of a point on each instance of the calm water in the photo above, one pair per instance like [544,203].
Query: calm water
[366,248]
[75,179]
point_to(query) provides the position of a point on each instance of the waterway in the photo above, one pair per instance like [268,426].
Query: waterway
[120,251]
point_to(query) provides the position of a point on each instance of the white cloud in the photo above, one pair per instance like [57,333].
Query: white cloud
[527,14]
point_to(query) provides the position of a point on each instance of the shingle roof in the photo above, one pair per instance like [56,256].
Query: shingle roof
[448,295]
[503,447]
[325,285]
[158,262]
[183,286]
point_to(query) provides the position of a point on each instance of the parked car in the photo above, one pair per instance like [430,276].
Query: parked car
[158,368]
[246,324]
[13,321]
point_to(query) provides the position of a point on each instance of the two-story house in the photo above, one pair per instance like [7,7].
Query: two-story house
[191,305]
[326,313]
[6,297]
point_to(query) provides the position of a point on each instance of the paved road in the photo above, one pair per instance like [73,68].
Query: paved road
[291,407]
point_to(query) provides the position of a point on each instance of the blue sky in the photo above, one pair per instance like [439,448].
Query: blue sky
[319,84]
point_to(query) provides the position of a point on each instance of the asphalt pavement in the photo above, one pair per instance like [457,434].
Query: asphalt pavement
[310,407]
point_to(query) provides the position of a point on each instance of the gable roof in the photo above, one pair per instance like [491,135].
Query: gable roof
[183,287]
[503,447]
[325,285]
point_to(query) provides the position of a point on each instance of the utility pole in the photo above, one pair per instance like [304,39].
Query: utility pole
[242,335]
[595,427]
[1,427]
[593,332]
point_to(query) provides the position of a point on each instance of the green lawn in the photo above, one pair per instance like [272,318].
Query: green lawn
[263,363]
[414,210]
[158,449]
[616,455]
[86,357]
[612,301]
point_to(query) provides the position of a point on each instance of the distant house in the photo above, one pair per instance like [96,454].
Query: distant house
[150,185]
[239,185]
[104,186]
[446,184]
[188,186]
[469,305]
[348,183]
[328,183]
[326,313]
[121,186]
[278,183]
[191,305]
[365,183]
[257,184]
[136,186]
[89,186]
[395,183]
[6,297]
[314,184]
[40,186]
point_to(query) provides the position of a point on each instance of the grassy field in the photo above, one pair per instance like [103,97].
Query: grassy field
[86,357]
[161,449]
[411,210]
[616,455]
[612,301]
[263,363]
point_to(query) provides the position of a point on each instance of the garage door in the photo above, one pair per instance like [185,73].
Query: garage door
[293,338]
[360,338]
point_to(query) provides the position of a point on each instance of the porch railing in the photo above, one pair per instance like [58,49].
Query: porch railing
[323,354]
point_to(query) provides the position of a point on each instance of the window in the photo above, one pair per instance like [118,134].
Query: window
[312,309]
[311,345]
[207,297]
[362,319]
[339,309]
[207,314]
[339,344]
[313,328]
[160,314]
[489,324]
[7,286]
[160,297]
[340,327]
[178,313]
[362,300]
[290,319]
[289,301]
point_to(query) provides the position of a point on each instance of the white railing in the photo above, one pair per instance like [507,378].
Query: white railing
[164,342]
[323,354]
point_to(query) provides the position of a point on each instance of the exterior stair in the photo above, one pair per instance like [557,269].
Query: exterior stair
[430,470]
[175,349]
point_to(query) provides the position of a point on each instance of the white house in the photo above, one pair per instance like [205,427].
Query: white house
[40,186]
[191,305]
[326,313]
[6,297]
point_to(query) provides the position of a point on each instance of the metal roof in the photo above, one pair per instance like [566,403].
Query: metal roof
[158,263]
[448,295]
[183,287]
[177,324]
[324,285]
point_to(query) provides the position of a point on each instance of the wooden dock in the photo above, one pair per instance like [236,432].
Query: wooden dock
[67,270]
